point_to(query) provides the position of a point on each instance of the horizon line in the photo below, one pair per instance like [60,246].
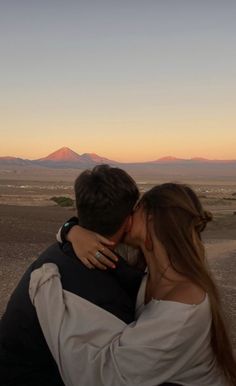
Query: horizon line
[167,158]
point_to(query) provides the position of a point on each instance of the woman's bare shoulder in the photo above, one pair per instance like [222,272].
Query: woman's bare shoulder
[186,292]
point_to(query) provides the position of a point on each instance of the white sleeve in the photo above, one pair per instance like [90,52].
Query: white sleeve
[92,346]
[58,236]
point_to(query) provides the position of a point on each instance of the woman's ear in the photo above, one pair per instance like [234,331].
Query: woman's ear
[148,242]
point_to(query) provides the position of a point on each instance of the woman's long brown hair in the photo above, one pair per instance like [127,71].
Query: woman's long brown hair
[179,218]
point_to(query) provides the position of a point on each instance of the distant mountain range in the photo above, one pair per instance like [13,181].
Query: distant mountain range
[62,158]
[194,160]
[66,157]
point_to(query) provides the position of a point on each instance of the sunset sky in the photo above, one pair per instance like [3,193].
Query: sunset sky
[130,80]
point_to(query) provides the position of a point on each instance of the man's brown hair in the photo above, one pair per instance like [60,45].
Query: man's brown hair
[105,196]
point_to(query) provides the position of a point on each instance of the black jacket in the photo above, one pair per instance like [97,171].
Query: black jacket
[25,359]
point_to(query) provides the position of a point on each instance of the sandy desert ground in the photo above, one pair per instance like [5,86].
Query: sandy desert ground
[29,221]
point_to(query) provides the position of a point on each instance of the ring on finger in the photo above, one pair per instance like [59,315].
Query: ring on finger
[98,255]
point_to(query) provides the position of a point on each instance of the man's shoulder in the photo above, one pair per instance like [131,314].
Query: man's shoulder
[52,251]
[74,274]
[53,254]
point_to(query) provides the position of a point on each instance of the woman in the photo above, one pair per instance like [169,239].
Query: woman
[179,335]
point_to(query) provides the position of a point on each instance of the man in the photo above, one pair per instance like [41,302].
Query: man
[105,198]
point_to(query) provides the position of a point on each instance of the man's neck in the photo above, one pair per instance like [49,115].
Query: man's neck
[117,237]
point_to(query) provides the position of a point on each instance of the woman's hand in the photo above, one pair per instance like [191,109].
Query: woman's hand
[91,248]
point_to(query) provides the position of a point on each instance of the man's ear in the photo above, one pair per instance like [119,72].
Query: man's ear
[148,241]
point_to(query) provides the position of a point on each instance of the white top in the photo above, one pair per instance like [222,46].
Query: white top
[170,341]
